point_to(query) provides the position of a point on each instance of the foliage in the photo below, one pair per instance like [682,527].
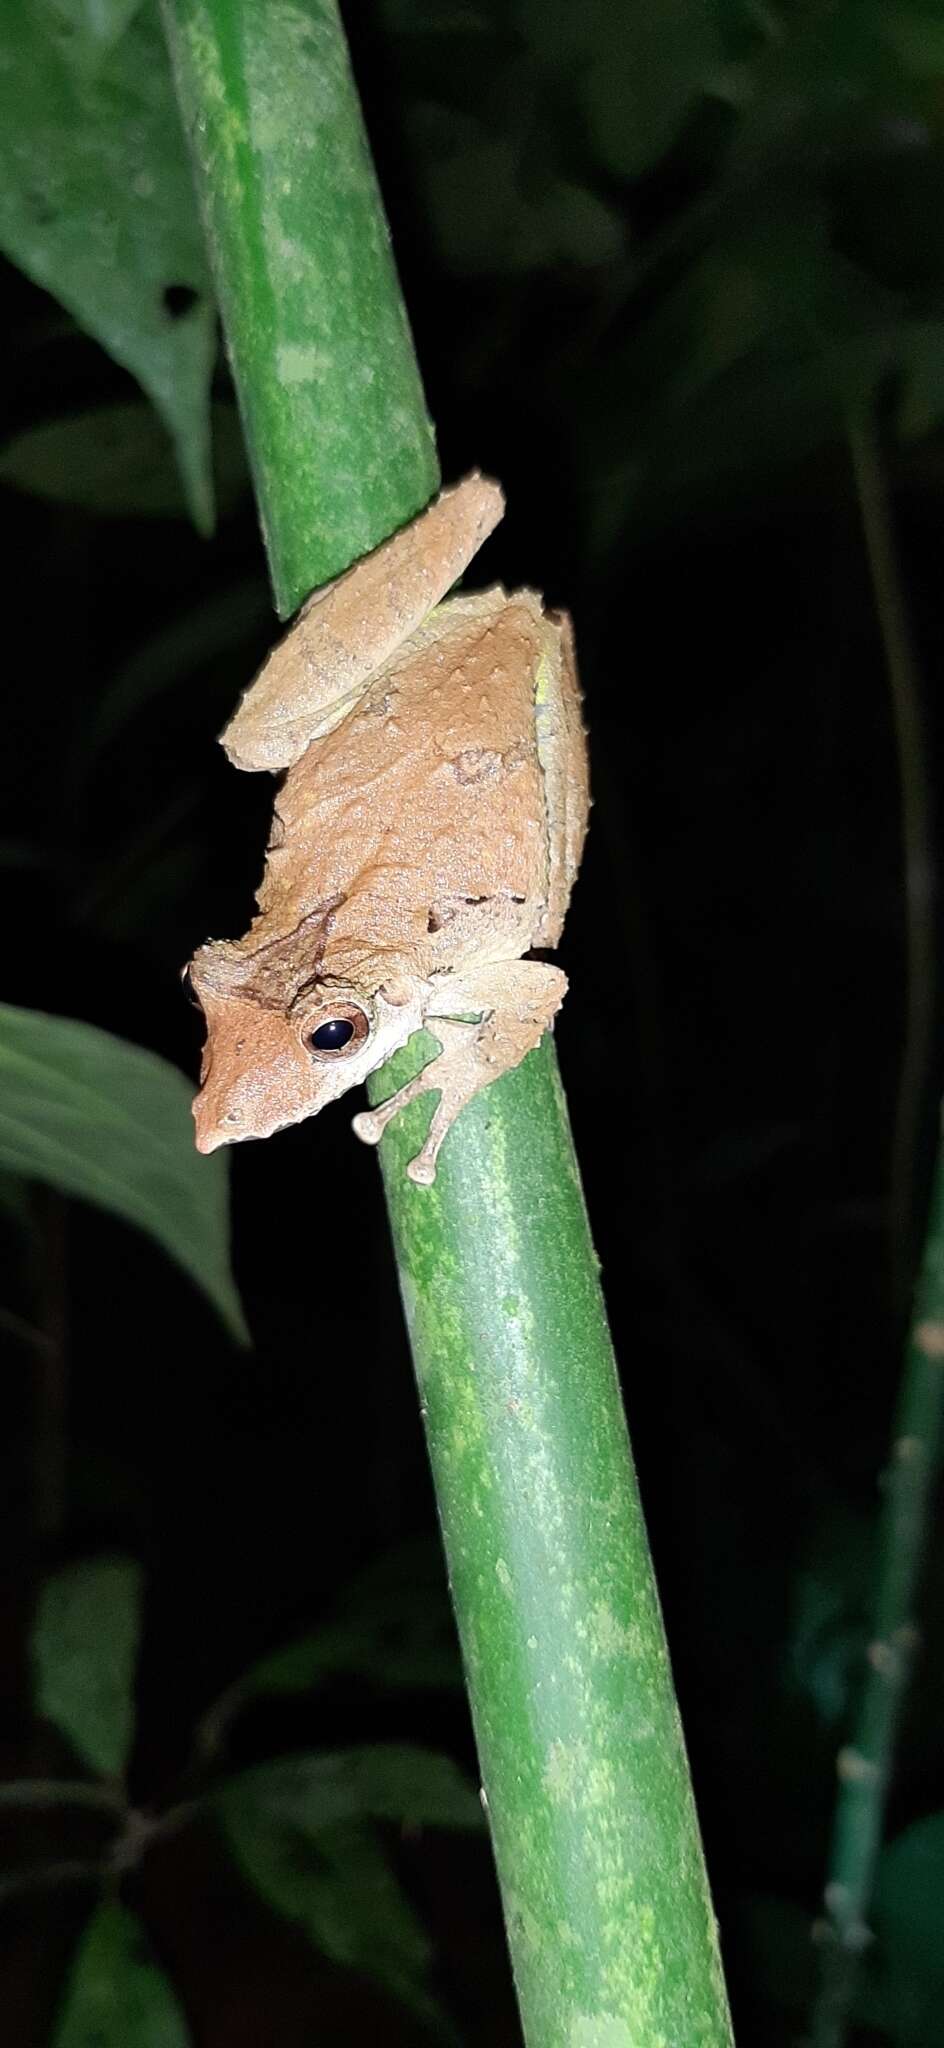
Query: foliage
[799,276]
[297,1829]
[117,1996]
[302,1828]
[396,1630]
[116,460]
[97,205]
[103,1120]
[907,1983]
[85,1649]
[793,269]
[651,273]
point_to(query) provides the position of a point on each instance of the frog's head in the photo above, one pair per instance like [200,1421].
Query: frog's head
[268,1064]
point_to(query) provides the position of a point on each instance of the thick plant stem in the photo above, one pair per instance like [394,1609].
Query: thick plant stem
[332,407]
[865,1766]
[583,1764]
[582,1759]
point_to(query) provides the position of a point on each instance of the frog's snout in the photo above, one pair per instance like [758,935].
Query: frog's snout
[209,1133]
[216,1123]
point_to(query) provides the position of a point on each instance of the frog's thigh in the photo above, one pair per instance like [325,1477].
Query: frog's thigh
[352,627]
[518,999]
[562,751]
[292,701]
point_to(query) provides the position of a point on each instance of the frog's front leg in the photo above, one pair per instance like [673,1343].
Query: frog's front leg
[516,1001]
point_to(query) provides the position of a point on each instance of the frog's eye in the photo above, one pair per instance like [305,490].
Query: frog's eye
[338,1032]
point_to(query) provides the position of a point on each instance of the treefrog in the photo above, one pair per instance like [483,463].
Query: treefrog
[425,838]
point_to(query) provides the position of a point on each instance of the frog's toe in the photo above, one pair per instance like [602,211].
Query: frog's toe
[422,1171]
[368,1127]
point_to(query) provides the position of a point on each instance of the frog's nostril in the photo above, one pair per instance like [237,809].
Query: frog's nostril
[209,1140]
[215,1126]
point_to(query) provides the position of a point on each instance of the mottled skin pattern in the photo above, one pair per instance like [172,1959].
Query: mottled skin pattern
[426,837]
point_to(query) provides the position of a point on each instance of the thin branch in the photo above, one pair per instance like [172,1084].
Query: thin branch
[43,1793]
[865,1765]
[916,839]
[48,1877]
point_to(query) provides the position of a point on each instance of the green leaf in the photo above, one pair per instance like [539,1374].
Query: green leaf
[117,1996]
[397,1630]
[417,1660]
[97,206]
[104,1120]
[829,1605]
[85,1650]
[904,1990]
[635,69]
[916,34]
[297,1830]
[921,406]
[491,213]
[337,1885]
[390,1781]
[117,460]
[208,634]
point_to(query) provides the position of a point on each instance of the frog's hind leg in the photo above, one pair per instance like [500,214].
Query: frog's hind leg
[348,629]
[517,1000]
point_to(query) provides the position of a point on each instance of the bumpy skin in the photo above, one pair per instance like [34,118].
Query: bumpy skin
[425,838]
[345,631]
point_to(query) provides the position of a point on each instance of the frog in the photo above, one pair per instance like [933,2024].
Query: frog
[425,839]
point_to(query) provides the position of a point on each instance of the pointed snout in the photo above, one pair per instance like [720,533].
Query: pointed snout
[210,1134]
[259,1074]
[256,1076]
[222,1117]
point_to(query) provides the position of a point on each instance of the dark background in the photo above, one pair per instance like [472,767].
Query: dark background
[658,357]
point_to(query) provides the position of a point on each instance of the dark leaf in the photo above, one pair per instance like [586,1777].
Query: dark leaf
[391,1781]
[397,1630]
[99,1118]
[904,1987]
[117,1996]
[117,460]
[85,1650]
[635,69]
[337,1885]
[97,206]
[216,630]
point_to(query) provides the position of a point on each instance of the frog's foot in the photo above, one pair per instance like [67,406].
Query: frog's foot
[517,1000]
[371,1124]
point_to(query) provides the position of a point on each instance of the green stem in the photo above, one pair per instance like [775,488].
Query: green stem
[917,855]
[606,1900]
[580,1747]
[865,1766]
[341,447]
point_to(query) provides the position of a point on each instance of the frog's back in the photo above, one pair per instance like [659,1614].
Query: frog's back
[421,818]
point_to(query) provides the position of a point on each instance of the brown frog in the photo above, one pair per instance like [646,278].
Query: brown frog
[426,838]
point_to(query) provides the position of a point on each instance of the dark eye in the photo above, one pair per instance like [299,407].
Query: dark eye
[331,1037]
[341,1030]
